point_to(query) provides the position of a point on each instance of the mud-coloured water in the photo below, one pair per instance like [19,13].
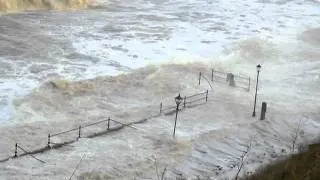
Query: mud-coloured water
[119,36]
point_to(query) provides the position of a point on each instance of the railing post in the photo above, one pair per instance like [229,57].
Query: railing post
[108,123]
[79,132]
[16,150]
[184,101]
[199,77]
[160,108]
[49,140]
[207,95]
[212,75]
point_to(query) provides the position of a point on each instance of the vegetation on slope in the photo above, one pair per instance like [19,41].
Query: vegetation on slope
[302,166]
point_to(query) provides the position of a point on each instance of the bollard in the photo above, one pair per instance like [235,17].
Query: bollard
[263,110]
[49,140]
[184,102]
[16,150]
[160,108]
[108,123]
[79,132]
[230,78]
[199,77]
[207,95]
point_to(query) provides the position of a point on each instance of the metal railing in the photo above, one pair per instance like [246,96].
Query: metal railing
[187,102]
[239,81]
[114,125]
[74,134]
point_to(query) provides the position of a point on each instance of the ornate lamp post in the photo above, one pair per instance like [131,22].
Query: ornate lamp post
[255,97]
[178,100]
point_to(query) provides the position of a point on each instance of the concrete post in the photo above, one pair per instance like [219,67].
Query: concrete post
[263,110]
[230,78]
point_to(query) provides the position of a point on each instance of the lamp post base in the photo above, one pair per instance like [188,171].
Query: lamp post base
[254,114]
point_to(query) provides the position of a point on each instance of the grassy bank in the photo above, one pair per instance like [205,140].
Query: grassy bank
[302,166]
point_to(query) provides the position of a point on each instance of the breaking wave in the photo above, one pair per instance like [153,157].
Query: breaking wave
[132,93]
[22,5]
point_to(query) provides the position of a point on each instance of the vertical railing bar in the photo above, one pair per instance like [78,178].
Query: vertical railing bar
[79,135]
[108,123]
[49,140]
[16,150]
[207,95]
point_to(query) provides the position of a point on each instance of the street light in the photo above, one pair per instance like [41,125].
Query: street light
[255,97]
[178,100]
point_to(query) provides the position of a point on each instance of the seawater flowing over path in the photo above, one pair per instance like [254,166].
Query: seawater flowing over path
[123,35]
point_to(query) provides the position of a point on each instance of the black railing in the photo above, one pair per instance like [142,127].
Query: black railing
[239,81]
[187,101]
[74,134]
[114,125]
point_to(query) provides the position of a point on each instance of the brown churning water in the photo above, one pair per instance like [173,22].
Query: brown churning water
[20,5]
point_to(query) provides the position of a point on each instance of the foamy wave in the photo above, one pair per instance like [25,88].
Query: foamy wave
[21,5]
[132,93]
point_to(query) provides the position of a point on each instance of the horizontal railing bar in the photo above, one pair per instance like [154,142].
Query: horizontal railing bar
[74,129]
[6,159]
[196,100]
[88,125]
[220,72]
[168,108]
[241,77]
[215,73]
[28,153]
[242,83]
[241,80]
[123,124]
[220,77]
[241,87]
[196,94]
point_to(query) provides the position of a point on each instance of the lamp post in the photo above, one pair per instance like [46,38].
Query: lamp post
[178,100]
[255,96]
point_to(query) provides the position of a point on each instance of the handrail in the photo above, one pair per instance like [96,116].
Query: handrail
[56,134]
[190,102]
[88,125]
[51,144]
[196,94]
